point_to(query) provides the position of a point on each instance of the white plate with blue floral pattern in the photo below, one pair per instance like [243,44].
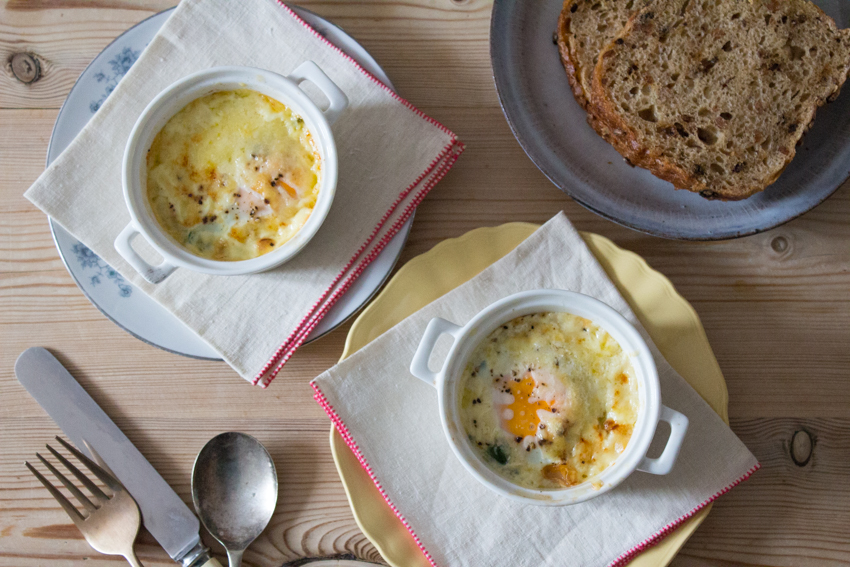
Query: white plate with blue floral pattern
[117,298]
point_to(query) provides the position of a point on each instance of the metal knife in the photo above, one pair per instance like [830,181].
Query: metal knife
[164,514]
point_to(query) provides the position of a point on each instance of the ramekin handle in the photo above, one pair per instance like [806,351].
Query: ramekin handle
[124,246]
[678,427]
[419,364]
[309,71]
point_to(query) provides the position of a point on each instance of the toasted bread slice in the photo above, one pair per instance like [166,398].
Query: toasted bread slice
[713,95]
[584,29]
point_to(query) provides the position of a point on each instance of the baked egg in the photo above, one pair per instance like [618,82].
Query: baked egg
[548,400]
[233,175]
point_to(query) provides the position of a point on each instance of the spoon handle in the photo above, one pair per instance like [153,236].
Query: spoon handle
[235,557]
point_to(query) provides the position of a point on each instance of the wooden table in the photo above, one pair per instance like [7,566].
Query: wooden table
[776,307]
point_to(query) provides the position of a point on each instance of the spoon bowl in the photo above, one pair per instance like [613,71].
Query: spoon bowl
[234,488]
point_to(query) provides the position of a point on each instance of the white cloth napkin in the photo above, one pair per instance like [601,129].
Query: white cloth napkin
[390,156]
[390,420]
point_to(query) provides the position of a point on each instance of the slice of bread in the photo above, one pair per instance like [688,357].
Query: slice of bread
[713,95]
[584,29]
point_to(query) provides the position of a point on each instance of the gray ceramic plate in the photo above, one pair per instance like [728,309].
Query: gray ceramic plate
[552,129]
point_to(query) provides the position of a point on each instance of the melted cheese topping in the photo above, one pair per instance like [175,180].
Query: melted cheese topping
[549,400]
[233,175]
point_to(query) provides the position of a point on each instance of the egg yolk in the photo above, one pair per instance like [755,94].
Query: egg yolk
[524,419]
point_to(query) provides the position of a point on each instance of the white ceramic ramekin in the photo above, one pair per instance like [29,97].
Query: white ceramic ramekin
[466,338]
[172,100]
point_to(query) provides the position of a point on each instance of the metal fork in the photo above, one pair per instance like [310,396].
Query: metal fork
[111,524]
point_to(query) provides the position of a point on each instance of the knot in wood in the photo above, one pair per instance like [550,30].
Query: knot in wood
[802,447]
[25,67]
[779,244]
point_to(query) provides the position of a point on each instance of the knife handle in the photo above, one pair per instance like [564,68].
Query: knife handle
[200,556]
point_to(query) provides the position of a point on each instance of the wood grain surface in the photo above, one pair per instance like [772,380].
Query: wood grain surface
[776,307]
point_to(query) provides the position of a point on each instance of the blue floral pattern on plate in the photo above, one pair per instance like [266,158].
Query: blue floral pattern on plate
[120,65]
[89,259]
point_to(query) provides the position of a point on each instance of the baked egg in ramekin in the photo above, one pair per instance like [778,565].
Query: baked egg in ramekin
[550,397]
[212,188]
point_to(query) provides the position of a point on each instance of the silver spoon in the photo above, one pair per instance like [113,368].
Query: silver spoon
[234,488]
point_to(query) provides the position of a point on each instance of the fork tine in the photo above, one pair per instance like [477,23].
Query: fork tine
[75,515]
[92,487]
[99,460]
[104,477]
[81,498]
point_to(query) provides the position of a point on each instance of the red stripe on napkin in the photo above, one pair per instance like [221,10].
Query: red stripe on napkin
[626,557]
[620,561]
[352,270]
[364,71]
[343,431]
[438,168]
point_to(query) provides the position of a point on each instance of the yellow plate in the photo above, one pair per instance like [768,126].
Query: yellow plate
[670,320]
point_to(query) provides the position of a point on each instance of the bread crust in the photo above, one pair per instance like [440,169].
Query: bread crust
[628,143]
[571,65]
[569,61]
